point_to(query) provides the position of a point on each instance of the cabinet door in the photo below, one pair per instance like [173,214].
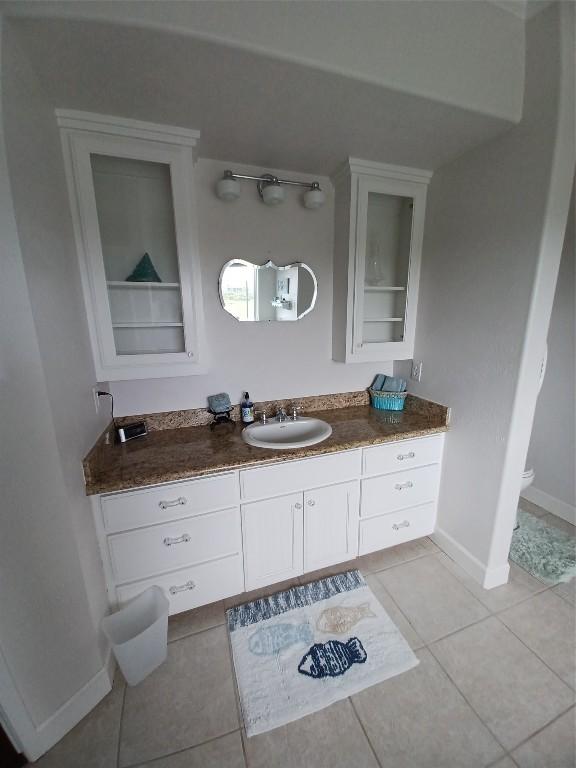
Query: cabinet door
[133,206]
[389,230]
[330,525]
[272,537]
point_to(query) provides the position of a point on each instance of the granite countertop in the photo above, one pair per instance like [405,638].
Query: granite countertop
[170,453]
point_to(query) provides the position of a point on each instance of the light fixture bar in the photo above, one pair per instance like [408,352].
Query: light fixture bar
[269,188]
[269,179]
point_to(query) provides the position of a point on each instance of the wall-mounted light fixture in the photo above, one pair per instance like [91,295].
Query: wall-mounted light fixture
[270,189]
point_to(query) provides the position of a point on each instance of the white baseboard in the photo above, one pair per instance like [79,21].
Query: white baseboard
[486,577]
[64,719]
[550,504]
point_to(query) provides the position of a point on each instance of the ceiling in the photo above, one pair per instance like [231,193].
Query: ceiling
[524,9]
[249,108]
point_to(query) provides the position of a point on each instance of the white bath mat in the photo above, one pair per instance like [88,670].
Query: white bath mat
[300,650]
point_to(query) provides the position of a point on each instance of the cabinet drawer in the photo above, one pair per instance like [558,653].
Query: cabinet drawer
[297,475]
[397,527]
[399,490]
[193,586]
[168,502]
[144,552]
[393,457]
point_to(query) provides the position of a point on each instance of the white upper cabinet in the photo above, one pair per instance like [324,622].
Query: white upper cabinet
[379,223]
[131,191]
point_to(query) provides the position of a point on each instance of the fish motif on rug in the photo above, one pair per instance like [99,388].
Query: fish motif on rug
[332,659]
[270,640]
[340,619]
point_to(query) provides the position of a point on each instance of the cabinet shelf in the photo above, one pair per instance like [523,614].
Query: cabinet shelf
[147,325]
[134,284]
[383,288]
[384,320]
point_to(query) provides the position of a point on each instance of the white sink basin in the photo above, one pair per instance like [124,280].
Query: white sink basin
[287,434]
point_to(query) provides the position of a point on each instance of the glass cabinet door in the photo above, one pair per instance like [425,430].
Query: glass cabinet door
[386,251]
[131,188]
[135,214]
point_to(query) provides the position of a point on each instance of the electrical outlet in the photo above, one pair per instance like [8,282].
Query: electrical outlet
[96,398]
[416,373]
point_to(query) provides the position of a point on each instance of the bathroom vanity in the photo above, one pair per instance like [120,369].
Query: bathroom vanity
[271,516]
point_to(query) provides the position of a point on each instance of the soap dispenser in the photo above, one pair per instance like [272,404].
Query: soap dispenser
[247,409]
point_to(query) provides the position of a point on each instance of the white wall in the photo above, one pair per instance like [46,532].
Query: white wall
[270,360]
[485,259]
[53,279]
[466,53]
[552,451]
[47,635]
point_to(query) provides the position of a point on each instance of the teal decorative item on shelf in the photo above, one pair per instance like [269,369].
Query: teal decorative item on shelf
[144,272]
[387,401]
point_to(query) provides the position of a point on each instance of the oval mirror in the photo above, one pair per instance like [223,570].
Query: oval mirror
[267,293]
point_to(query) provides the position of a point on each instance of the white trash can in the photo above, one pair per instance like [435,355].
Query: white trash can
[139,634]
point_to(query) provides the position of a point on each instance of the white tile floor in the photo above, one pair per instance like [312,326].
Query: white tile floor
[495,686]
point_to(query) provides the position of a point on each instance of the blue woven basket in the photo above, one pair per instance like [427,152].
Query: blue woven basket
[387,401]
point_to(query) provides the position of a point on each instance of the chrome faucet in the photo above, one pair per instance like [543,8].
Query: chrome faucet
[281,414]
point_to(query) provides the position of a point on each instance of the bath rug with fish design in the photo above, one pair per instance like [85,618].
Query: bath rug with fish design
[305,648]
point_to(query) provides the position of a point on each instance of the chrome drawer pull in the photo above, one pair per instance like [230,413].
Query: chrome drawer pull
[180,501]
[311,502]
[297,506]
[397,526]
[183,588]
[401,486]
[180,540]
[402,456]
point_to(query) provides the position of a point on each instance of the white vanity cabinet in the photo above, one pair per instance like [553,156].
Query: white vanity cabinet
[210,538]
[185,537]
[379,224]
[272,537]
[300,532]
[131,190]
[313,526]
[330,525]
[400,486]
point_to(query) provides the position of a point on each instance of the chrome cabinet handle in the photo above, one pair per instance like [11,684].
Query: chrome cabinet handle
[180,540]
[297,505]
[180,501]
[311,502]
[401,486]
[182,588]
[397,526]
[402,456]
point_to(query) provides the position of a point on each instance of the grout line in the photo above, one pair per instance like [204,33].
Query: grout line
[196,631]
[539,731]
[243,738]
[492,611]
[564,597]
[481,719]
[532,651]
[395,565]
[508,751]
[237,702]
[121,720]
[180,751]
[365,732]
[503,757]
[474,623]
[401,612]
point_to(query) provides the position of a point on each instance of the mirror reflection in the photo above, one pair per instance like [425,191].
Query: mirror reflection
[254,293]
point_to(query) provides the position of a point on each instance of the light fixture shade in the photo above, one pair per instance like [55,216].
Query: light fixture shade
[228,189]
[314,198]
[273,194]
